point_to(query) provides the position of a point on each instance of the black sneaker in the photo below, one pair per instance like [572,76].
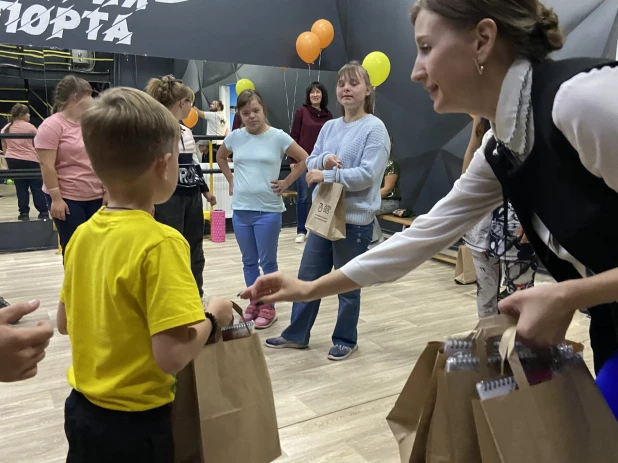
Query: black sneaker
[23,217]
[44,216]
[3,303]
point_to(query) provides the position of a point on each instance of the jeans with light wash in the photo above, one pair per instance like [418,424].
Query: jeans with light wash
[319,258]
[257,234]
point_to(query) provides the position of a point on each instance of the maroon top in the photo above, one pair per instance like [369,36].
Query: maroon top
[308,122]
[237,121]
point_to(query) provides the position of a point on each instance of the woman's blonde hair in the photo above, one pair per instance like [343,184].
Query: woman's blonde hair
[530,27]
[354,69]
[66,88]
[168,90]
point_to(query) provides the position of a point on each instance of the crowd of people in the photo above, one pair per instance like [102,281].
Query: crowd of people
[123,185]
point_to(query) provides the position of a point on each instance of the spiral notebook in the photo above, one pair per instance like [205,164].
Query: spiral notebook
[237,331]
[496,387]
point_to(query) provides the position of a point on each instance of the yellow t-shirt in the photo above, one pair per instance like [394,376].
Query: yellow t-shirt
[127,277]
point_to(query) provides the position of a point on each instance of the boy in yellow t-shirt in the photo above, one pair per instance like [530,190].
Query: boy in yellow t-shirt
[129,301]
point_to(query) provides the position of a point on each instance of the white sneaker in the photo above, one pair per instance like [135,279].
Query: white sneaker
[300,238]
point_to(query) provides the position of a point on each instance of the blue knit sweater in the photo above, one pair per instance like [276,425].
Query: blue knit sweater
[363,146]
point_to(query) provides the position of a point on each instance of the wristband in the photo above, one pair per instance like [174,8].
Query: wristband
[214,323]
[54,189]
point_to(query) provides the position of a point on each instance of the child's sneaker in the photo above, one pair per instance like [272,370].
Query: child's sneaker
[339,352]
[282,343]
[267,315]
[251,313]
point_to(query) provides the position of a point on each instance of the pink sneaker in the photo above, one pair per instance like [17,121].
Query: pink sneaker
[251,313]
[266,317]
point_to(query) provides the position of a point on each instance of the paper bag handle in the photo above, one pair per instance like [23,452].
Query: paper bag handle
[239,311]
[508,352]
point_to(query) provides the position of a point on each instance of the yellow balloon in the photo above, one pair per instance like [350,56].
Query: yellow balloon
[378,66]
[244,84]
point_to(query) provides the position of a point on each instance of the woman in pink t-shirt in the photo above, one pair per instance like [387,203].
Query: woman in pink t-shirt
[73,191]
[20,154]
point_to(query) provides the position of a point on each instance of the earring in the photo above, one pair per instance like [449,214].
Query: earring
[479,67]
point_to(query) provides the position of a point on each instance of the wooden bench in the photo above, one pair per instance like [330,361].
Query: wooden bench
[404,221]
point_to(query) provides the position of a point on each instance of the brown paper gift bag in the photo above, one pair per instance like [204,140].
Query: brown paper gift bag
[465,273]
[327,214]
[563,420]
[452,435]
[411,415]
[224,409]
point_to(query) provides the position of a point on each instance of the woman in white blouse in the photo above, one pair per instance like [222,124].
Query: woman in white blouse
[554,157]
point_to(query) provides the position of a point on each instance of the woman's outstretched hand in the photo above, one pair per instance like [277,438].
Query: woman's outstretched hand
[277,287]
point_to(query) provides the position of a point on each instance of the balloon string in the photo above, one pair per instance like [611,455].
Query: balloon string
[375,97]
[319,65]
[295,85]
[287,99]
[309,73]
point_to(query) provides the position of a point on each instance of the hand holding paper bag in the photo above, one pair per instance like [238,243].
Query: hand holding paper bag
[327,215]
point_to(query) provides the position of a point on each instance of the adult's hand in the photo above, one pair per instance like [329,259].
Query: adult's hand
[277,287]
[543,314]
[59,209]
[331,161]
[21,349]
[314,176]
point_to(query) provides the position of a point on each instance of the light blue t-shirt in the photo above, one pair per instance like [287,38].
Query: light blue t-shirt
[257,162]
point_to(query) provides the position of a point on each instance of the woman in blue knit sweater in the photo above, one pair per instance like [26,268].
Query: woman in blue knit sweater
[352,150]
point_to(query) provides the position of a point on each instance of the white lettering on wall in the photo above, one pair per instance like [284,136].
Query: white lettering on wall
[95,17]
[14,9]
[67,19]
[38,18]
[119,31]
[35,19]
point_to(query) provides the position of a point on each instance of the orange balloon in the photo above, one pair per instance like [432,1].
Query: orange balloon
[308,47]
[191,119]
[325,32]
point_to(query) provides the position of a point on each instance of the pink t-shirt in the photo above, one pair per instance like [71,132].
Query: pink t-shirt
[76,178]
[20,148]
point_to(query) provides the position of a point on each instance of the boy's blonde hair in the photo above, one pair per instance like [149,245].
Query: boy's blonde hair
[125,131]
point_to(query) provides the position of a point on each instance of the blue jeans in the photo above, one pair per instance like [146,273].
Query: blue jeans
[302,191]
[319,257]
[80,212]
[257,234]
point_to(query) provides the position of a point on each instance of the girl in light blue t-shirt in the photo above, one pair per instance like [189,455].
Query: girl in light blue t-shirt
[256,191]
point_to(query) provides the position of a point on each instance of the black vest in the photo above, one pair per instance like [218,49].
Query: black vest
[578,209]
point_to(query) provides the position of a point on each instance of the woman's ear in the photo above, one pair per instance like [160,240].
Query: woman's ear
[486,34]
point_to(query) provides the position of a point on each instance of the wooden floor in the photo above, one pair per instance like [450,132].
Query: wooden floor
[328,411]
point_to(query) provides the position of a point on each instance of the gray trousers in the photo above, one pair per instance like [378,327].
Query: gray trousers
[387,207]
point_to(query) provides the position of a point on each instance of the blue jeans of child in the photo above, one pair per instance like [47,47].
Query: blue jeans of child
[302,191]
[257,234]
[319,258]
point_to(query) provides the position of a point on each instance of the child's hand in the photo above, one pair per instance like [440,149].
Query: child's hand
[210,198]
[222,310]
[279,186]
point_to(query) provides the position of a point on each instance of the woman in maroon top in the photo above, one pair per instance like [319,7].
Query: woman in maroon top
[308,122]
